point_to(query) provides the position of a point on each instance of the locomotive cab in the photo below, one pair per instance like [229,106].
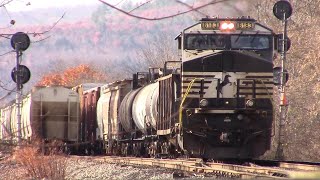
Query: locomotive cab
[213,34]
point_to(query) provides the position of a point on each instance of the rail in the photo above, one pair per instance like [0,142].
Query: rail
[219,169]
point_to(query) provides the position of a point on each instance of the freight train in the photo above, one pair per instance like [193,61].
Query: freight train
[214,102]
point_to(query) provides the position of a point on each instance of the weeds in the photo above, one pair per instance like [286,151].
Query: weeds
[40,166]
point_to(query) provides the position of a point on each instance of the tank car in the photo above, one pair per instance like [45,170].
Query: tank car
[48,113]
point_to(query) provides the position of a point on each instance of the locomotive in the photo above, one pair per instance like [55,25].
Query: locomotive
[214,102]
[226,88]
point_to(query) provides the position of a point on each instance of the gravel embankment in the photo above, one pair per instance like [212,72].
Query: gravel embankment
[9,170]
[88,168]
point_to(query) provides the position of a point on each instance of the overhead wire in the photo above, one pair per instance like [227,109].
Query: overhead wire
[164,17]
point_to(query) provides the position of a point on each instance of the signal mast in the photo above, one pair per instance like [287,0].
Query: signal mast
[282,10]
[19,74]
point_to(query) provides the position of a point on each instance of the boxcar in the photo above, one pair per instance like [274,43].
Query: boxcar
[109,128]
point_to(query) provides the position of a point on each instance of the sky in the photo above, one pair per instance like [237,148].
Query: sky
[28,5]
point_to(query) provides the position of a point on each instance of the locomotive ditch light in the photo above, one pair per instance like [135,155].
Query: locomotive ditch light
[21,39]
[204,103]
[282,10]
[250,103]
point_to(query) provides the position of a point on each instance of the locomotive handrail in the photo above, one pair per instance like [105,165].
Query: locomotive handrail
[184,98]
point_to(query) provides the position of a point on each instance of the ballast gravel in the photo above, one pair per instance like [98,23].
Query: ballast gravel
[90,168]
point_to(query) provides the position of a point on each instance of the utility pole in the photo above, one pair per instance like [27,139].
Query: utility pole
[20,74]
[282,10]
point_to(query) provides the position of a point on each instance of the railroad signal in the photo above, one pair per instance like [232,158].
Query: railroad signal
[280,42]
[20,40]
[24,74]
[282,10]
[20,74]
[277,76]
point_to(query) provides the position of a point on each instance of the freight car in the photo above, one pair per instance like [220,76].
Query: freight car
[89,93]
[216,102]
[48,113]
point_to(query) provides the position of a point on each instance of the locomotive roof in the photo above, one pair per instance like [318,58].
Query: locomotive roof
[260,27]
[242,18]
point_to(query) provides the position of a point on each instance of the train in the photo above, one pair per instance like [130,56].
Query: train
[214,102]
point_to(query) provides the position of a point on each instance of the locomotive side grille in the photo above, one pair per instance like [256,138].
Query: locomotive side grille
[195,91]
[257,86]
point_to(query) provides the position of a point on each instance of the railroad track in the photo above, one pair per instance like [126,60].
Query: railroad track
[250,170]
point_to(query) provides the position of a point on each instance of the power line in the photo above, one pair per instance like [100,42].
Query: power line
[164,17]
[119,2]
[139,6]
[8,94]
[191,7]
[6,53]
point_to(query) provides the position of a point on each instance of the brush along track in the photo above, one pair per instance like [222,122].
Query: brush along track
[208,168]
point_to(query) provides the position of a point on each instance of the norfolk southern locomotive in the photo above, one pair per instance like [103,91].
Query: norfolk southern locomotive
[226,88]
[215,102]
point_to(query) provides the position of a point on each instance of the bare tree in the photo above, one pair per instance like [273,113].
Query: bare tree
[160,49]
[303,117]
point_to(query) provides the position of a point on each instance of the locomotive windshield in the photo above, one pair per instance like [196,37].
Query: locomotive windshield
[221,41]
[252,42]
[205,41]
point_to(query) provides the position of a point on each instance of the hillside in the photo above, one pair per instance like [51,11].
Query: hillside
[100,36]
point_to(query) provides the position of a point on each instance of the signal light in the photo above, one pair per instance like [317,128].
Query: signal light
[227,26]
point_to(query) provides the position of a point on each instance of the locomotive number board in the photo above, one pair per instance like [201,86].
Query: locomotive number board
[215,25]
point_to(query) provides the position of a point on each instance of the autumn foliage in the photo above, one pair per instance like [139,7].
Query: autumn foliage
[73,76]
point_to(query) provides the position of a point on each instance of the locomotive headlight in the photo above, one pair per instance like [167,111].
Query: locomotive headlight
[204,103]
[250,103]
[227,26]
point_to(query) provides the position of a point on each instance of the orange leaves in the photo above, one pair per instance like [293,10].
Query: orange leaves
[73,76]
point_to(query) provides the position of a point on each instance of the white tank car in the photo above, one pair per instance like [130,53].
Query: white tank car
[144,110]
[47,112]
